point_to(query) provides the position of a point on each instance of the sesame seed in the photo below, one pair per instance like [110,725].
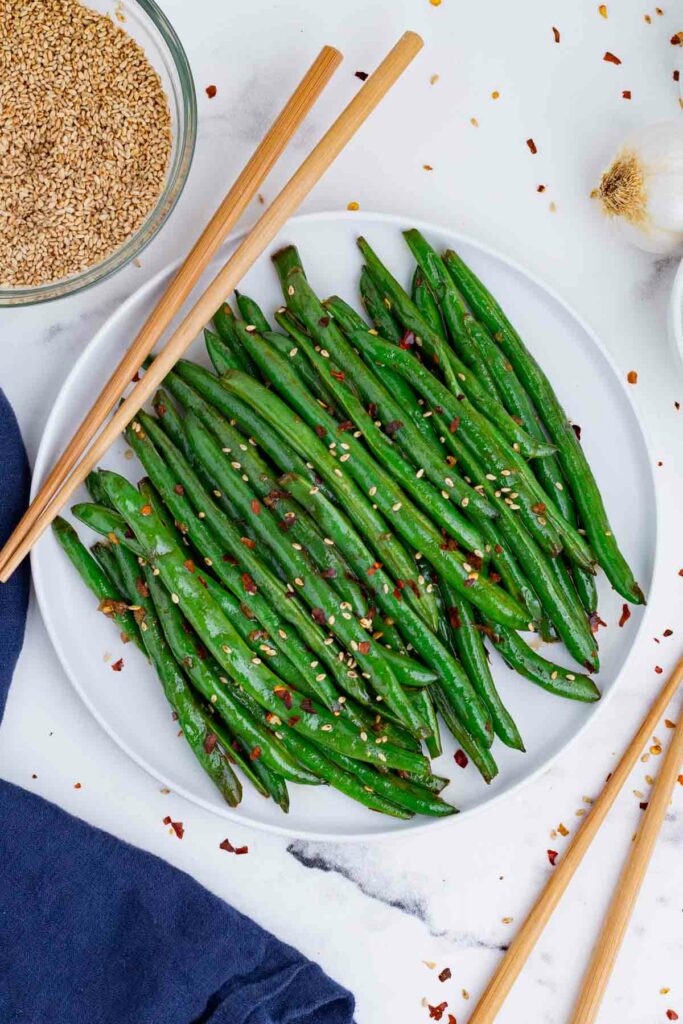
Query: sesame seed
[396,507]
[175,598]
[293,352]
[290,290]
[420,474]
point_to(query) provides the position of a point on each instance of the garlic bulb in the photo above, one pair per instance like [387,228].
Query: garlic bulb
[643,188]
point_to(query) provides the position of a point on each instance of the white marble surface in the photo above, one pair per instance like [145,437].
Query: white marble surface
[371,914]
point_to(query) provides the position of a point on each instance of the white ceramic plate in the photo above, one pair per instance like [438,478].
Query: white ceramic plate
[130,705]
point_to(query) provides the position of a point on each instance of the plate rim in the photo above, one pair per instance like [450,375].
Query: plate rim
[429,824]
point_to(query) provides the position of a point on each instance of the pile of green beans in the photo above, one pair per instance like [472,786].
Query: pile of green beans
[338,523]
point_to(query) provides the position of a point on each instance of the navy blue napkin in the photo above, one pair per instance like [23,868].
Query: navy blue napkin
[93,931]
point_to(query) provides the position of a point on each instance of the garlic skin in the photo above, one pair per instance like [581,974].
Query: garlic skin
[643,188]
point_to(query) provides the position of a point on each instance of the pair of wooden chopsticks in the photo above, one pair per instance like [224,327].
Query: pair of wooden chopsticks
[89,446]
[626,892]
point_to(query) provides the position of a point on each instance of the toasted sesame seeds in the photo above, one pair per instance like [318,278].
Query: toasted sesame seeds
[175,598]
[420,473]
[396,507]
[290,290]
[86,140]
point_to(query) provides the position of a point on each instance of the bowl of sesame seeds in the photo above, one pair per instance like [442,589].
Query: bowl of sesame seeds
[98,123]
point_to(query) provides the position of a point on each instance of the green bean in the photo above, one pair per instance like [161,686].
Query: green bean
[381,317]
[229,650]
[111,601]
[435,504]
[104,556]
[397,790]
[480,756]
[251,312]
[258,587]
[554,678]
[412,524]
[207,678]
[311,588]
[433,652]
[192,718]
[425,708]
[457,375]
[571,455]
[221,356]
[470,647]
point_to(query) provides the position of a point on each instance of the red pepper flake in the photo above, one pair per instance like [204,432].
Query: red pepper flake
[320,431]
[445,974]
[200,579]
[671,1015]
[211,91]
[407,341]
[248,543]
[658,669]
[318,615]
[167,820]
[677,78]
[436,1012]
[248,583]
[532,146]
[189,565]
[540,188]
[460,758]
[451,1019]
[632,377]
[307,705]
[159,408]
[229,559]
[329,573]
[361,74]
[454,618]
[179,489]
[283,694]
[453,425]
[393,426]
[668,632]
[344,426]
[254,753]
[469,582]
[239,850]
[293,719]
[577,430]
[427,167]
[141,587]
[337,374]
[540,508]
[595,622]
[210,742]
[136,377]
[202,652]
[146,510]
[680,572]
[77,785]
[227,846]
[397,593]
[556,34]
[626,94]
[178,828]
[680,780]
[256,507]
[364,647]
[372,410]
[677,39]
[117,666]
[643,805]
[625,615]
[610,58]
[552,856]
[375,567]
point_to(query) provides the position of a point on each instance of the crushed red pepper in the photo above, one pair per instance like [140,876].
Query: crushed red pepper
[436,1012]
[229,848]
[445,974]
[210,742]
[453,425]
[677,75]
[658,669]
[556,34]
[595,622]
[610,58]
[460,758]
[532,146]
[671,1015]
[254,753]
[211,91]
[361,74]
[117,666]
[540,188]
[248,583]
[552,856]
[626,94]
[632,377]
[625,615]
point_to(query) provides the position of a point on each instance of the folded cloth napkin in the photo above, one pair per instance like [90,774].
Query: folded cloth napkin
[93,931]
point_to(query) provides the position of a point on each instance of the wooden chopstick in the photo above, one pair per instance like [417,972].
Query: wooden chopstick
[626,891]
[221,224]
[514,959]
[253,245]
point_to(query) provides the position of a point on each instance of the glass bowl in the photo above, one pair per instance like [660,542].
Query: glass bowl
[148,25]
